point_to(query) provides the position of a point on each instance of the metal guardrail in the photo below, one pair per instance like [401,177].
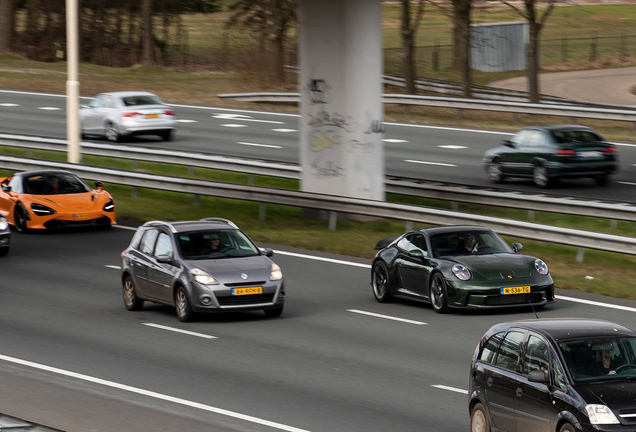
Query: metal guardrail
[412,187]
[15,424]
[546,233]
[466,104]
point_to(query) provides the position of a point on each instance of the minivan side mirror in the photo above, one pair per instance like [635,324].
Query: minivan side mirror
[517,247]
[538,376]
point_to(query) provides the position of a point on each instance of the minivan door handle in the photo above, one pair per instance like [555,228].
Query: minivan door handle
[489,382]
[519,391]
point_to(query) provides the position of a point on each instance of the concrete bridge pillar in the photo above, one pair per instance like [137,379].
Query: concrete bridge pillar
[341,66]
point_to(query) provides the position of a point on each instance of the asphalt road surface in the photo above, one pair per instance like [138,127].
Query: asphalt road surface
[73,358]
[446,154]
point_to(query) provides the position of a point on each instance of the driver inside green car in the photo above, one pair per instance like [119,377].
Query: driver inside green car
[466,245]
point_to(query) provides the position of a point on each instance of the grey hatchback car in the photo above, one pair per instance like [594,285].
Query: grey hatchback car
[208,265]
[120,115]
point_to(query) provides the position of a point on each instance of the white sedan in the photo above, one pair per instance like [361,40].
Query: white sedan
[119,115]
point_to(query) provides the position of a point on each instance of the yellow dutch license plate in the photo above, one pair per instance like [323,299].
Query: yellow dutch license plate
[81,216]
[515,290]
[247,291]
[152,115]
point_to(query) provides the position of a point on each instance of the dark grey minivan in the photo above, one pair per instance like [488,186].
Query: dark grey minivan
[554,375]
[208,265]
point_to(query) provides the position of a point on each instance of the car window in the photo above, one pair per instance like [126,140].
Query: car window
[520,137]
[16,184]
[534,139]
[509,350]
[404,244]
[536,356]
[490,348]
[98,102]
[583,136]
[558,377]
[141,100]
[418,241]
[164,245]
[147,243]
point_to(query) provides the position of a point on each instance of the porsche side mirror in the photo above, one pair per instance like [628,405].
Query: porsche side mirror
[416,253]
[516,247]
[538,376]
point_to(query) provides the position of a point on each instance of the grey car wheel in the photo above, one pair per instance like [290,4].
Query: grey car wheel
[112,134]
[494,172]
[438,294]
[540,176]
[478,419]
[20,218]
[182,304]
[132,302]
[272,313]
[380,282]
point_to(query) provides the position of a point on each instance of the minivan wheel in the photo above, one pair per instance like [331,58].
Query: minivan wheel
[567,427]
[479,420]
[132,302]
[182,305]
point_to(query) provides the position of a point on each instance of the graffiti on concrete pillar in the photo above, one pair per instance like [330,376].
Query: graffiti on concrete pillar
[319,92]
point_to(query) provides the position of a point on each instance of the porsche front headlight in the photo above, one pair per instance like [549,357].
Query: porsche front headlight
[600,414]
[41,210]
[202,277]
[541,267]
[276,273]
[461,272]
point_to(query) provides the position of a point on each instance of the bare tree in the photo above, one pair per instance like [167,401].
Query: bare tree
[535,24]
[7,25]
[409,32]
[271,19]
[147,38]
[459,12]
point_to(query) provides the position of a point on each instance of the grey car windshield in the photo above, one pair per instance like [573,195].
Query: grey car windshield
[600,358]
[465,242]
[215,244]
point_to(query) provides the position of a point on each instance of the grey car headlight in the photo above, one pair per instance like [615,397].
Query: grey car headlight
[600,414]
[202,277]
[3,224]
[276,273]
[461,272]
[541,267]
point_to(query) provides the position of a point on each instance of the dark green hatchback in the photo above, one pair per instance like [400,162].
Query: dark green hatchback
[546,153]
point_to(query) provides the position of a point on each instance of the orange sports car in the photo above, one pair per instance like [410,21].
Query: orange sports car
[54,199]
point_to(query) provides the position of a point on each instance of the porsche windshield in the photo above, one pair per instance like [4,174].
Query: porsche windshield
[215,244]
[54,184]
[468,242]
[596,359]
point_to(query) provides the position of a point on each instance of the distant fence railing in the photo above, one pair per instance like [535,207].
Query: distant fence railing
[337,204]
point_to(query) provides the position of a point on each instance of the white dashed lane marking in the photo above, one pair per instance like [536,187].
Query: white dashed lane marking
[388,317]
[9,105]
[176,330]
[259,145]
[284,130]
[49,108]
[234,125]
[453,389]
[429,163]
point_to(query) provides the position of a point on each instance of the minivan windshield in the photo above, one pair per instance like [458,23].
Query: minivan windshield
[592,359]
[215,244]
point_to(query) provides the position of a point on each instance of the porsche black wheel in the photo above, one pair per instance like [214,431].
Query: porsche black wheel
[132,302]
[20,218]
[438,294]
[380,282]
[182,304]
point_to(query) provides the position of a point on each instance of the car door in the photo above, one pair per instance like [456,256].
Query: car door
[533,402]
[140,261]
[529,151]
[161,274]
[413,264]
[8,197]
[510,158]
[91,114]
[501,381]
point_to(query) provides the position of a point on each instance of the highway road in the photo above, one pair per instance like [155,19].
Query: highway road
[73,358]
[447,154]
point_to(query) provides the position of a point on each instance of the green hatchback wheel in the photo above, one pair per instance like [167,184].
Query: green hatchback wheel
[380,282]
[438,294]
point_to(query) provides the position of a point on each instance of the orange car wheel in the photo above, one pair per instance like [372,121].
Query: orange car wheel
[20,218]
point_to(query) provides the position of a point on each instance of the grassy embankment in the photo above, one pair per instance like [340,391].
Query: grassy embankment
[612,273]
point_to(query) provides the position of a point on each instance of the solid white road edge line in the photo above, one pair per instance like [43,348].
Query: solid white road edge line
[595,303]
[259,145]
[404,320]
[176,330]
[331,260]
[151,394]
[453,389]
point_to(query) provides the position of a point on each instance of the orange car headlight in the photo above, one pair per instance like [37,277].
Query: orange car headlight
[41,210]
[109,206]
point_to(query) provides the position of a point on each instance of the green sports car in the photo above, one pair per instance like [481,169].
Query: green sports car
[459,266]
